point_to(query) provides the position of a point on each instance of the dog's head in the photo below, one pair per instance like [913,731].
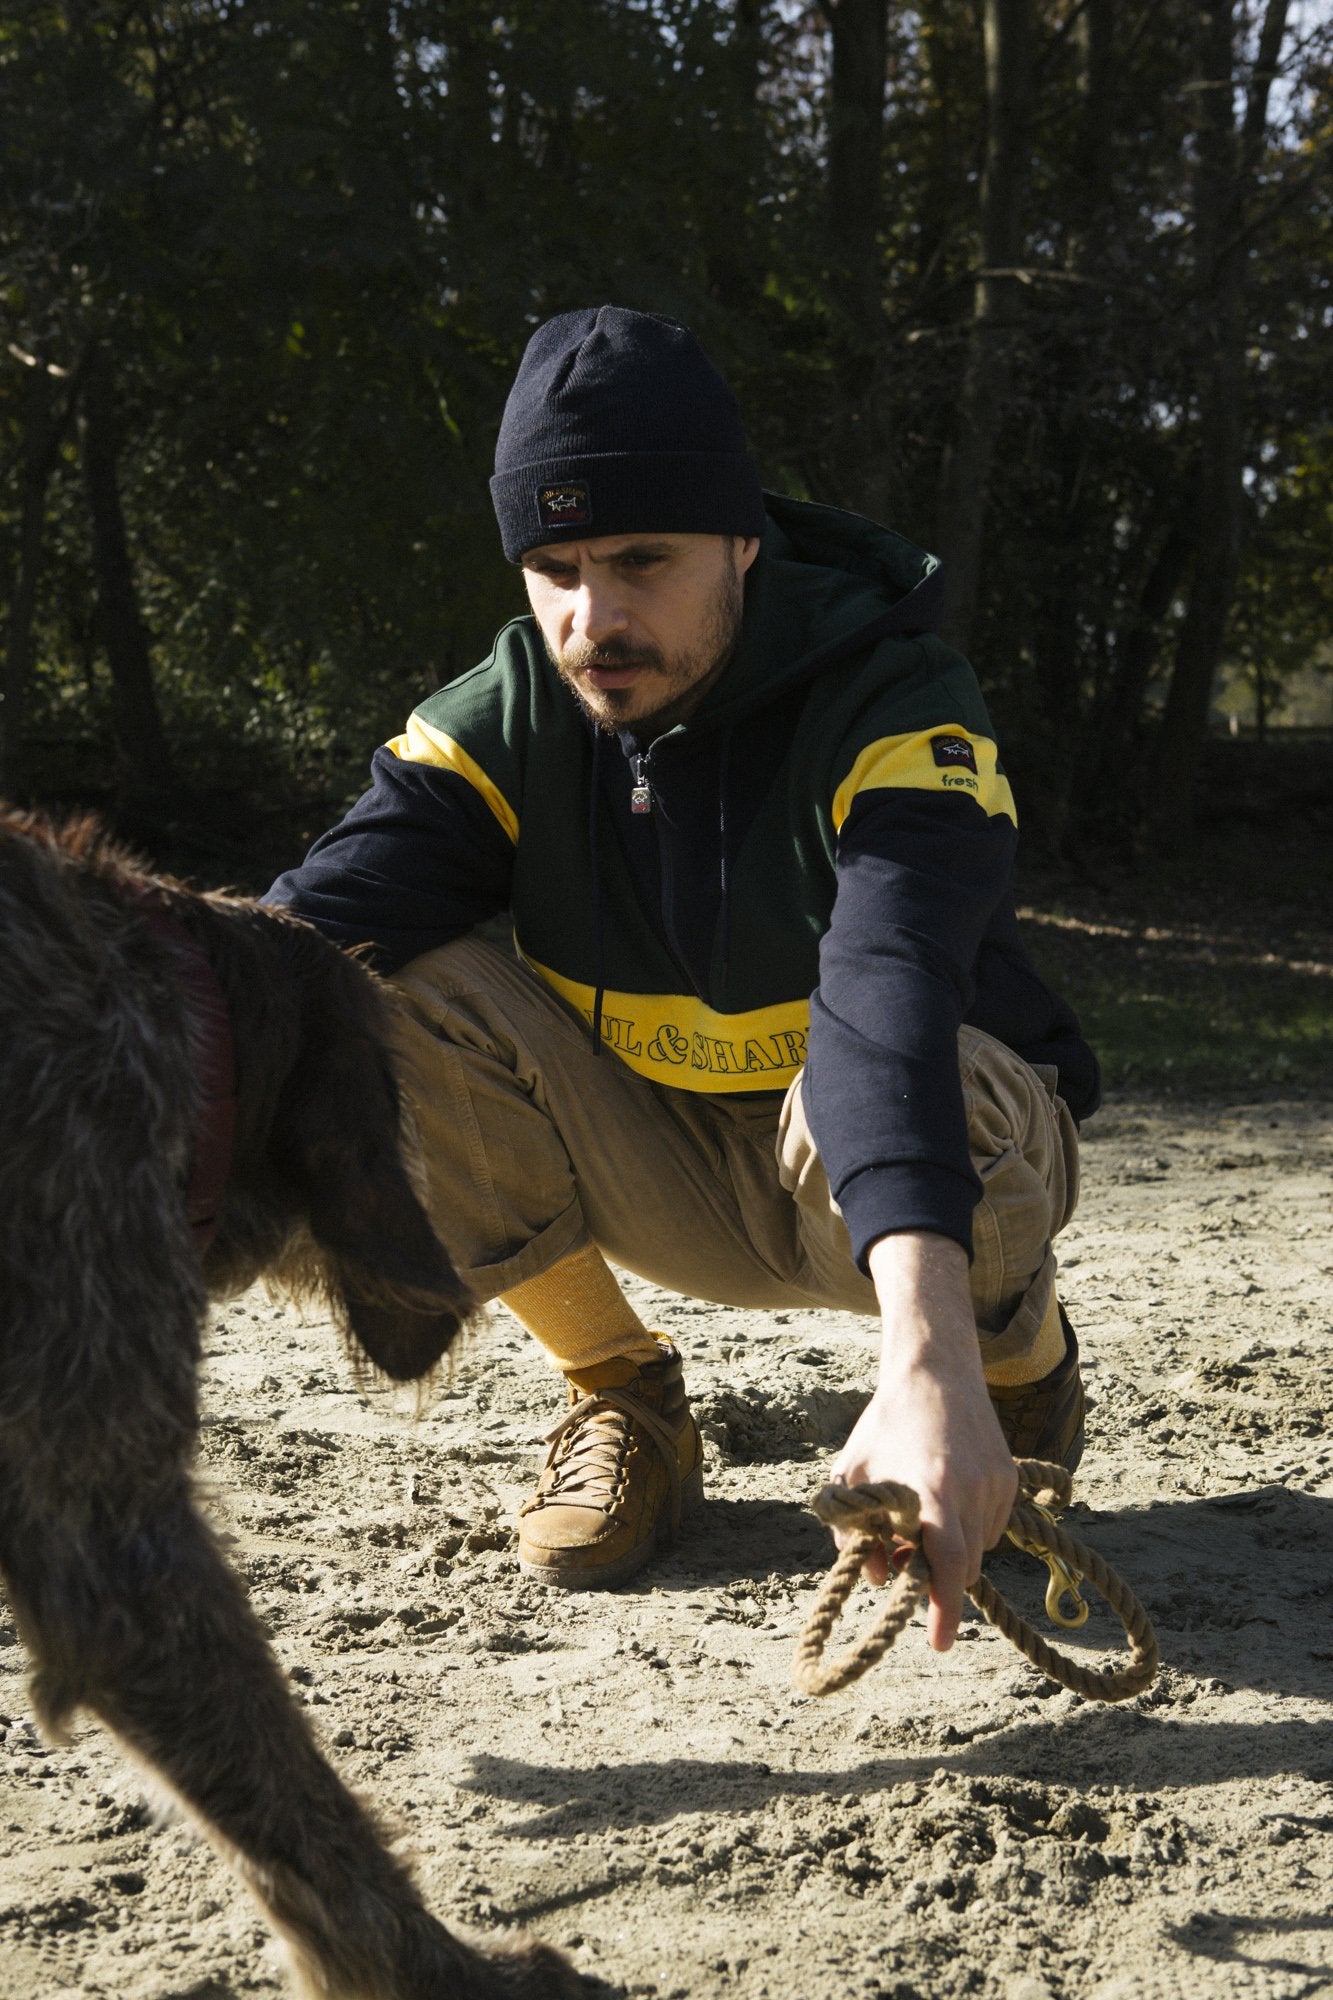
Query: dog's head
[321,1154]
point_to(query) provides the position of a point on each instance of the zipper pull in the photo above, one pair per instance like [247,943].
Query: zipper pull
[641,797]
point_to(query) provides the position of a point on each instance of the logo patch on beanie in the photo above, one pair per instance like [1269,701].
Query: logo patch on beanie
[566,505]
[948,750]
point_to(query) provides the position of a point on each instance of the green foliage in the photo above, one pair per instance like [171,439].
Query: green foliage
[312,236]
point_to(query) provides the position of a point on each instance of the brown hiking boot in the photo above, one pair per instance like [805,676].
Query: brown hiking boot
[1045,1419]
[625,1465]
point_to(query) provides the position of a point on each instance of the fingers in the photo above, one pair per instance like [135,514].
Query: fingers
[950,1451]
[952,1567]
[954,1552]
[875,1568]
[953,1556]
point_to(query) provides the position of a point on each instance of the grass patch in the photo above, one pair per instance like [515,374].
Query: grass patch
[1211,973]
[1190,1009]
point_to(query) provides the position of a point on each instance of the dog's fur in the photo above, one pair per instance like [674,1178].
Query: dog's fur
[116,1582]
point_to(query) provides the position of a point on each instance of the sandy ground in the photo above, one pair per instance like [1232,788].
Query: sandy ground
[633,1776]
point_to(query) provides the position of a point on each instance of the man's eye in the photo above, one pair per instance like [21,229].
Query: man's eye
[640,562]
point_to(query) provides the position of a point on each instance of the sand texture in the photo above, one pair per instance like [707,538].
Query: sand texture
[632,1774]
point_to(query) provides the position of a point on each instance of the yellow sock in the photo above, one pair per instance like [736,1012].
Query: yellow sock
[584,1321]
[1046,1352]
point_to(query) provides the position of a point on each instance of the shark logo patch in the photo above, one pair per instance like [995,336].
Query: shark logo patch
[953,751]
[567,504]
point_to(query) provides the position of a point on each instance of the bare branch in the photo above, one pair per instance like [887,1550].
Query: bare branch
[51,368]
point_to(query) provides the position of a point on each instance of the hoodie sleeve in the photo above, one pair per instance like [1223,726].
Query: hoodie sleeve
[926,838]
[424,855]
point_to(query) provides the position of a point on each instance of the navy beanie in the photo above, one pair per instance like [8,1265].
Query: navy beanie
[619,424]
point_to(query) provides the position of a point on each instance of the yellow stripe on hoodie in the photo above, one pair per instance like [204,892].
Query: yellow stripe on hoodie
[421,743]
[925,762]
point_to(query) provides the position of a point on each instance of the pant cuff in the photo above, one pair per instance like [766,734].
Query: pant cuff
[567,1233]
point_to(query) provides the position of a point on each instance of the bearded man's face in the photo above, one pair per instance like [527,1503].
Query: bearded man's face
[639,626]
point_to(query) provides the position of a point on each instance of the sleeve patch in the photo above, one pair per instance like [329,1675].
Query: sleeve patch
[952,750]
[929,760]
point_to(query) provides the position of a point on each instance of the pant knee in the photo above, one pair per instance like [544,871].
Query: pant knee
[1024,1150]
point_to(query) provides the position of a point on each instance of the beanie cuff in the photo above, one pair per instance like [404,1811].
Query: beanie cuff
[627,493]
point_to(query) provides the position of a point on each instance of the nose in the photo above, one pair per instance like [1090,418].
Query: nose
[598,614]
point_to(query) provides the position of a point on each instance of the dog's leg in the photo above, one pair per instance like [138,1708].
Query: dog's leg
[149,1629]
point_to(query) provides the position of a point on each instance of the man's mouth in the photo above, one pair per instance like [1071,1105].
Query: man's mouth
[613,677]
[613,670]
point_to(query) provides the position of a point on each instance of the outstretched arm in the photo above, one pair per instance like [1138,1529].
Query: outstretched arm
[930,1424]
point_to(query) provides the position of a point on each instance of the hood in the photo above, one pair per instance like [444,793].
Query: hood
[825,586]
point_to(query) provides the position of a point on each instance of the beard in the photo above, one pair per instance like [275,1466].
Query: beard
[667,685]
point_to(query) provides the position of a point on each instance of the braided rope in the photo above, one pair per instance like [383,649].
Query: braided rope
[887,1512]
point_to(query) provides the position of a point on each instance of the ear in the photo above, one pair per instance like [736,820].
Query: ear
[403,1299]
[402,1342]
[337,1132]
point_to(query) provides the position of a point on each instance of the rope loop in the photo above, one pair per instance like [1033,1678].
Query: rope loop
[869,1515]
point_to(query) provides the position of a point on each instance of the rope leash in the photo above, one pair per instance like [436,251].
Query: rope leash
[889,1513]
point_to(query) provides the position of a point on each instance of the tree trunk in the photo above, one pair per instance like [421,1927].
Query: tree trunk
[1059,621]
[468,156]
[941,47]
[731,266]
[996,308]
[1111,802]
[860,36]
[136,719]
[41,436]
[1260,702]
[1227,163]
[1094,40]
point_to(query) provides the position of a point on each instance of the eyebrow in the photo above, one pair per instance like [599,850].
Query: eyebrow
[549,560]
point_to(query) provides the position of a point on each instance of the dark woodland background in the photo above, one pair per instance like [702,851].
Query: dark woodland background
[1046,284]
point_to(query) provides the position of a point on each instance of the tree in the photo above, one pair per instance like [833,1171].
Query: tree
[996,310]
[48,394]
[1043,287]
[1225,187]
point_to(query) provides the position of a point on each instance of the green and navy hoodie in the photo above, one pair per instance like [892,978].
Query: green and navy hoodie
[813,871]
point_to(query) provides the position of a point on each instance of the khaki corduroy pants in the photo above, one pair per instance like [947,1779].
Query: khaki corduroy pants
[535,1145]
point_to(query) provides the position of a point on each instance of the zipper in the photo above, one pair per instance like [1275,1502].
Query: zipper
[666,879]
[641,803]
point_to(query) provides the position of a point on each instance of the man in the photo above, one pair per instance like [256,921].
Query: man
[770,1037]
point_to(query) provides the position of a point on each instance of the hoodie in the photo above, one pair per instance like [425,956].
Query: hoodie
[814,872]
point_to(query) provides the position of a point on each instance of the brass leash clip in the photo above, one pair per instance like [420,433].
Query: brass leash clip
[1064,1582]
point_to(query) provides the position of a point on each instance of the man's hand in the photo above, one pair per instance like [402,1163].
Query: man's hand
[929,1424]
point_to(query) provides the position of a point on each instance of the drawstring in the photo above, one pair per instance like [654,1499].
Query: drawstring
[724,764]
[599,941]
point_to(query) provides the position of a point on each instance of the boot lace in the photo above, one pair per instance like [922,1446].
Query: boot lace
[589,1447]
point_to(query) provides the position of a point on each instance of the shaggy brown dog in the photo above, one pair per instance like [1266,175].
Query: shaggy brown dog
[125,1084]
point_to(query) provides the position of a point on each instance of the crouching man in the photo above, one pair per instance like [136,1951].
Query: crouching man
[770,1036]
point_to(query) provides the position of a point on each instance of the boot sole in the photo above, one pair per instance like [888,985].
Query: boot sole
[633,1560]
